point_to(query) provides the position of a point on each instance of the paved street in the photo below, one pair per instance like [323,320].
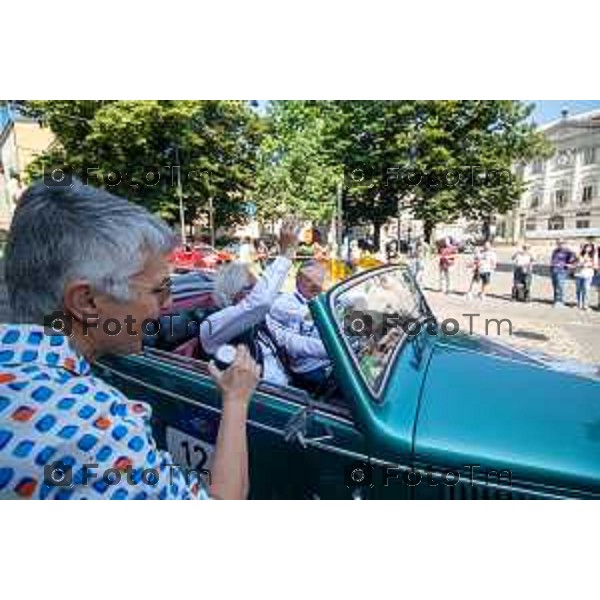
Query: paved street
[566,333]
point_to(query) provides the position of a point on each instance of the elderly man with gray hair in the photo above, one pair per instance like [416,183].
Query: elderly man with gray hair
[292,327]
[77,259]
[244,302]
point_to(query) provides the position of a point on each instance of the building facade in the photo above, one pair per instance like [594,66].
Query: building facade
[21,140]
[562,197]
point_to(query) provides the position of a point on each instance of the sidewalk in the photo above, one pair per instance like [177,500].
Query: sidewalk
[564,332]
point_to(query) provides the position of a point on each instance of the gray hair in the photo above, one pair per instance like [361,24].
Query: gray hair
[310,265]
[231,279]
[59,234]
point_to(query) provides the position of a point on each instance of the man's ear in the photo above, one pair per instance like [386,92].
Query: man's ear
[78,300]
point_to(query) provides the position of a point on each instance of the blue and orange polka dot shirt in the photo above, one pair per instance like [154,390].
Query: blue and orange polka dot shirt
[66,434]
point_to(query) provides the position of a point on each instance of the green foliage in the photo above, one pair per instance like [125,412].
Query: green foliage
[465,152]
[296,176]
[443,159]
[132,147]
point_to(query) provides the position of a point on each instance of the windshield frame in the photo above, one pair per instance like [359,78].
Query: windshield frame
[425,313]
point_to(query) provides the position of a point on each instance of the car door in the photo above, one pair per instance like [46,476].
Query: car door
[298,448]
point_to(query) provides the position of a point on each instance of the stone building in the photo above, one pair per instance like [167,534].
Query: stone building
[21,140]
[562,198]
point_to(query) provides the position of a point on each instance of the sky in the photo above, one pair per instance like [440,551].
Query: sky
[545,110]
[549,110]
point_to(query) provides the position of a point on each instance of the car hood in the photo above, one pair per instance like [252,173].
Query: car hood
[502,409]
[486,345]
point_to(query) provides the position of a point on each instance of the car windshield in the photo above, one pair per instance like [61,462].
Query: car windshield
[373,313]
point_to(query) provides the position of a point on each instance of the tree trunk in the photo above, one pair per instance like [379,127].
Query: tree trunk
[486,228]
[428,230]
[377,234]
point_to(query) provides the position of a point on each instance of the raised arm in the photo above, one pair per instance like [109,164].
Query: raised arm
[225,325]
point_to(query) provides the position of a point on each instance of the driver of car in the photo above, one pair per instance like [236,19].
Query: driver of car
[243,303]
[292,327]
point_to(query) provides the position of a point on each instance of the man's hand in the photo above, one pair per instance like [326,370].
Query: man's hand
[288,239]
[238,382]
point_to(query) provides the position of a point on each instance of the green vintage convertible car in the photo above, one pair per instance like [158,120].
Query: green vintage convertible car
[410,411]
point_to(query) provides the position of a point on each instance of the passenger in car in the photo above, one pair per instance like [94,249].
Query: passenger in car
[244,302]
[294,332]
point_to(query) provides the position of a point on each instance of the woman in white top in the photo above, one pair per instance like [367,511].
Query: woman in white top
[584,273]
[523,271]
[483,267]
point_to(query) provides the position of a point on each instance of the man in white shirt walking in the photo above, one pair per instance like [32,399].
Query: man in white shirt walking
[294,331]
[487,265]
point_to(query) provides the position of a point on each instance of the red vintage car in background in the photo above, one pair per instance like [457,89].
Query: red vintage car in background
[202,256]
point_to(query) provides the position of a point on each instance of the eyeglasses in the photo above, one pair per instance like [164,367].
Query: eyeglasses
[162,292]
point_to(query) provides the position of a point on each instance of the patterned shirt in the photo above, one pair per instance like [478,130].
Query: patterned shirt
[66,434]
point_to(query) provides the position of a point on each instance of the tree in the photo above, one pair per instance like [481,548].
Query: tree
[370,140]
[296,175]
[133,148]
[464,158]
[441,159]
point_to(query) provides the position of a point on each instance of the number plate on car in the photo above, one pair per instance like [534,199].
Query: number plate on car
[187,450]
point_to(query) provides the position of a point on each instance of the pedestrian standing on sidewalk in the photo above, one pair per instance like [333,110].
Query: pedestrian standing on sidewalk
[487,265]
[447,256]
[561,263]
[523,272]
[417,260]
[475,276]
[247,251]
[584,273]
[391,252]
[261,253]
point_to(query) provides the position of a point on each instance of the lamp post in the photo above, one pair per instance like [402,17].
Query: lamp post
[180,196]
[211,222]
[339,220]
